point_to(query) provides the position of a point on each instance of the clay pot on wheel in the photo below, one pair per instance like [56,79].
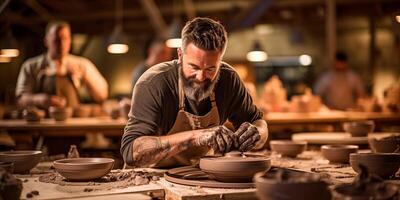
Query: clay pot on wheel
[235,168]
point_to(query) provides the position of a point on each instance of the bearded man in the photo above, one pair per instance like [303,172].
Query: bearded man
[179,107]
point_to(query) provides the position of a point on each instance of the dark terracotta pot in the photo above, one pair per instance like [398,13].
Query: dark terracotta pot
[384,143]
[371,191]
[288,147]
[381,164]
[23,160]
[235,169]
[269,188]
[359,128]
[83,169]
[338,153]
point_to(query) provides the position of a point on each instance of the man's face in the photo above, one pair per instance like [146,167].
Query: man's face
[200,71]
[340,65]
[58,42]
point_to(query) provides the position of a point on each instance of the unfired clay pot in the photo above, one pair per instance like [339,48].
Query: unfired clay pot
[83,169]
[359,128]
[384,143]
[60,113]
[338,153]
[381,164]
[288,147]
[235,168]
[23,160]
[291,185]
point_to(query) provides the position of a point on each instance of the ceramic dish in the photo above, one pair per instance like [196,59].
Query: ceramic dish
[381,164]
[83,169]
[235,168]
[338,153]
[359,128]
[288,147]
[23,160]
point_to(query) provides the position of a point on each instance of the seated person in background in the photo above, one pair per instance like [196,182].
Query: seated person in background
[178,107]
[340,87]
[155,53]
[54,78]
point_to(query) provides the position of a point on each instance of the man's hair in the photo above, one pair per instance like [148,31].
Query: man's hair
[57,25]
[205,34]
[341,56]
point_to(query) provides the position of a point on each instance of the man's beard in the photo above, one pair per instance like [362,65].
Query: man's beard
[197,91]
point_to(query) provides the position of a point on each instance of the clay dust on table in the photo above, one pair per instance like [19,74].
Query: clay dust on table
[113,180]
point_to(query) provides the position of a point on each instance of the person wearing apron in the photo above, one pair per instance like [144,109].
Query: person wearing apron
[179,107]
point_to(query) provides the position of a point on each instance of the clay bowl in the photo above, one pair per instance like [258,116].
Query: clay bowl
[359,128]
[384,143]
[82,111]
[8,166]
[234,168]
[299,186]
[381,164]
[370,191]
[60,113]
[83,169]
[288,147]
[23,160]
[33,115]
[338,153]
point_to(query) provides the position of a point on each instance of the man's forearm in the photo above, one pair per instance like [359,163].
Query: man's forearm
[148,150]
[26,100]
[263,130]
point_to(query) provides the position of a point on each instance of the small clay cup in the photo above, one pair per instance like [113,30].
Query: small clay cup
[82,111]
[338,153]
[288,148]
[371,191]
[23,160]
[269,188]
[60,113]
[233,168]
[8,166]
[359,128]
[83,169]
[381,164]
[384,143]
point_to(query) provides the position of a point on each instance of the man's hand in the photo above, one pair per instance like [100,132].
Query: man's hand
[46,100]
[220,138]
[247,135]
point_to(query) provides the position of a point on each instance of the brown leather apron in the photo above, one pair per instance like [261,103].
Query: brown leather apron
[186,121]
[61,86]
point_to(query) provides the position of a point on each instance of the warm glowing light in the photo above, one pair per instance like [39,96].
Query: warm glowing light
[174,43]
[117,48]
[5,59]
[398,18]
[257,56]
[305,60]
[9,53]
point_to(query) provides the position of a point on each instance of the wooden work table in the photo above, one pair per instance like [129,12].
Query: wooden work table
[309,161]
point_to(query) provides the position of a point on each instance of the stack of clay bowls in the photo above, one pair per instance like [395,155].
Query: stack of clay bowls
[23,161]
[60,113]
[286,184]
[384,142]
[338,153]
[83,169]
[384,165]
[235,167]
[359,128]
[288,148]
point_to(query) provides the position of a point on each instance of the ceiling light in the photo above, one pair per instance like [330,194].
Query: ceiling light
[398,18]
[257,54]
[8,45]
[174,40]
[118,42]
[305,60]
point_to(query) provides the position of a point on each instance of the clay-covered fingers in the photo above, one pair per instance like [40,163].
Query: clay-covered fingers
[224,139]
[249,143]
[247,136]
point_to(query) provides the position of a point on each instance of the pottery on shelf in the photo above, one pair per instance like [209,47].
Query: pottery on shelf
[23,161]
[288,148]
[359,128]
[338,153]
[234,167]
[83,169]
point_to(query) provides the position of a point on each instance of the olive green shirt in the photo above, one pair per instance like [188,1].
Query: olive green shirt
[155,103]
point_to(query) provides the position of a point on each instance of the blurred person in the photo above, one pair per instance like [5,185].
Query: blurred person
[340,87]
[156,52]
[179,107]
[55,77]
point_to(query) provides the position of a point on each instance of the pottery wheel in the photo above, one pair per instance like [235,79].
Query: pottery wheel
[193,176]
